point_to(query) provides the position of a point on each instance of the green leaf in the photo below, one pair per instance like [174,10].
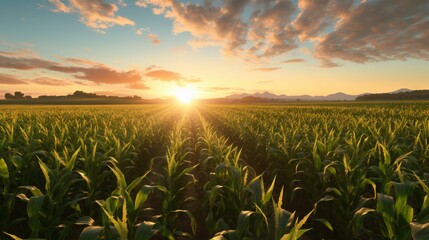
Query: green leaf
[72,160]
[259,210]
[267,195]
[358,218]
[144,231]
[161,188]
[120,226]
[17,161]
[12,236]
[325,222]
[191,217]
[141,197]
[86,220]
[419,231]
[386,208]
[402,190]
[423,184]
[91,233]
[33,208]
[136,182]
[243,223]
[119,177]
[46,172]
[4,172]
[34,190]
[84,177]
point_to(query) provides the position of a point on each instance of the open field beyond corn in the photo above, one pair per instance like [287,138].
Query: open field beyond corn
[308,171]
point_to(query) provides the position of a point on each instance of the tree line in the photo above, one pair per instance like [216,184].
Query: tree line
[412,95]
[75,95]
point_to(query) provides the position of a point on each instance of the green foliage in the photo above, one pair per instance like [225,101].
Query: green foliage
[307,171]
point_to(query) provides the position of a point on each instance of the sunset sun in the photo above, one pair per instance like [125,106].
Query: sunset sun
[184,94]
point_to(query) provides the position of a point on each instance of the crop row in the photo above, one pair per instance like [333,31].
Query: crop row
[334,171]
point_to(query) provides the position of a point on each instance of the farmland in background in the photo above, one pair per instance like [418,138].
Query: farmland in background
[308,171]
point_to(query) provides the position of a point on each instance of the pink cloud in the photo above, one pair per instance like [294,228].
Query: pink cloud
[11,80]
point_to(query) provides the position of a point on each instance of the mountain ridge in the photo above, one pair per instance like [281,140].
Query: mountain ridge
[338,96]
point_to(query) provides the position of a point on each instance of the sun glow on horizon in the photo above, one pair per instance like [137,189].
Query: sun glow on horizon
[185,94]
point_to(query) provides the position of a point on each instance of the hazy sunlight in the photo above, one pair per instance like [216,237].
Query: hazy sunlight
[184,94]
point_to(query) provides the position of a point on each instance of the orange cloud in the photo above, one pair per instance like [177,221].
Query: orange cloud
[87,70]
[154,38]
[14,80]
[11,80]
[267,69]
[295,60]
[50,81]
[60,6]
[95,13]
[169,76]
[164,75]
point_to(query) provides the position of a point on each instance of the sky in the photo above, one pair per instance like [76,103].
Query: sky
[151,48]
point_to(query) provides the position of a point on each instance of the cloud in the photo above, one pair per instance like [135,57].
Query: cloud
[11,80]
[84,62]
[20,52]
[141,3]
[267,32]
[122,3]
[90,71]
[60,6]
[317,15]
[51,81]
[218,88]
[379,31]
[192,80]
[154,38]
[100,74]
[139,86]
[265,81]
[22,63]
[295,60]
[169,76]
[350,30]
[95,14]
[266,69]
[222,89]
[14,80]
[206,21]
[164,75]
[86,69]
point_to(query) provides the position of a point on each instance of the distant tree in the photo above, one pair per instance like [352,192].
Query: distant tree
[8,96]
[82,94]
[19,95]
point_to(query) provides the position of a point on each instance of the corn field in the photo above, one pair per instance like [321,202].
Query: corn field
[307,171]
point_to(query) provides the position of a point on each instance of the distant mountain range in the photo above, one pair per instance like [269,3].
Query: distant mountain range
[339,96]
